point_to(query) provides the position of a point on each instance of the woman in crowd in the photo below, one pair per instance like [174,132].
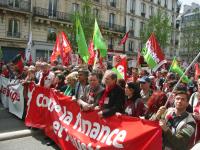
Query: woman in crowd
[59,82]
[71,81]
[134,105]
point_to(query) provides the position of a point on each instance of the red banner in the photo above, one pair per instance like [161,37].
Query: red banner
[71,128]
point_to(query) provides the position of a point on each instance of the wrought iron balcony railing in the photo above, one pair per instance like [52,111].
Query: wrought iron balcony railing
[19,5]
[55,15]
[112,27]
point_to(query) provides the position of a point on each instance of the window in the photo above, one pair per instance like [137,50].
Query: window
[110,46]
[96,12]
[113,3]
[159,2]
[75,7]
[13,28]
[52,8]
[111,20]
[132,24]
[143,9]
[13,3]
[166,3]
[141,26]
[51,36]
[130,46]
[151,11]
[132,6]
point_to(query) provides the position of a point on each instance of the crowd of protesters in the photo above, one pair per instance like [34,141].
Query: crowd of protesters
[143,94]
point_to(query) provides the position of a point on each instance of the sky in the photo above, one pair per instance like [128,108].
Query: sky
[188,2]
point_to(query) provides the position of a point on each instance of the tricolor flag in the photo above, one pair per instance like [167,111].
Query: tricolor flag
[121,68]
[176,69]
[152,53]
[123,40]
[99,43]
[28,56]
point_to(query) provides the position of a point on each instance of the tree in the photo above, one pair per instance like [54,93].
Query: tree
[87,21]
[160,25]
[190,36]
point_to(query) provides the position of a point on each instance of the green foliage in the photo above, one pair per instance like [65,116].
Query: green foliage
[160,25]
[87,21]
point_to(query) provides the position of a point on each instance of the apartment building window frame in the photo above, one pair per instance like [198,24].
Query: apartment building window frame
[159,2]
[151,10]
[96,12]
[111,20]
[51,34]
[166,3]
[52,8]
[96,0]
[113,3]
[141,26]
[130,46]
[111,43]
[143,9]
[14,3]
[132,24]
[132,6]
[13,28]
[75,7]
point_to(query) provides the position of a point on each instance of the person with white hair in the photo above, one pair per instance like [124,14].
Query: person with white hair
[46,76]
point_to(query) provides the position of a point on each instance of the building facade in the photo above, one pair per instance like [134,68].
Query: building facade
[138,12]
[189,26]
[42,18]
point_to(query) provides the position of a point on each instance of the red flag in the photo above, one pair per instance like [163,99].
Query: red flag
[123,40]
[140,58]
[122,67]
[65,50]
[19,62]
[92,53]
[56,50]
[197,71]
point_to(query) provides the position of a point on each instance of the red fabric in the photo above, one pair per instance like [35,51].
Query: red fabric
[105,94]
[44,75]
[92,53]
[66,49]
[123,40]
[56,50]
[61,119]
[122,67]
[197,71]
[5,73]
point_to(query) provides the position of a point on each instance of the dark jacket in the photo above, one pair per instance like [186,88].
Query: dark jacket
[115,102]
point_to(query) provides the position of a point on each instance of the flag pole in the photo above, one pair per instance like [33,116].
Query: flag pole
[194,60]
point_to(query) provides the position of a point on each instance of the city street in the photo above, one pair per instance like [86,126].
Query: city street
[14,135]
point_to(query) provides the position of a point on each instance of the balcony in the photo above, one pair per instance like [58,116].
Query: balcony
[112,27]
[13,34]
[20,6]
[55,15]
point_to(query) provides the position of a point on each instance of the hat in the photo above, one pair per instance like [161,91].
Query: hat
[164,71]
[144,79]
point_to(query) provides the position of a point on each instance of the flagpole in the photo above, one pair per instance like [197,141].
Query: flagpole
[194,60]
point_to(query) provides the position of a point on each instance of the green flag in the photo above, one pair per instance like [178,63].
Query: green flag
[98,41]
[80,39]
[176,69]
[119,76]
